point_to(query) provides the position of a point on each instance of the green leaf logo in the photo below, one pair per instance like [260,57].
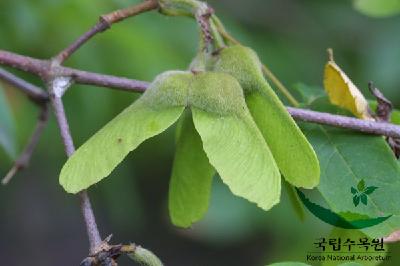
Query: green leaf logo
[360,194]
[347,220]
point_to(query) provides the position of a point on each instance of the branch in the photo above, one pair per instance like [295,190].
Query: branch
[43,68]
[372,127]
[105,23]
[86,208]
[23,161]
[36,94]
[39,97]
[90,221]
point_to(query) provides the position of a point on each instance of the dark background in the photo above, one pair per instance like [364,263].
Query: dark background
[42,225]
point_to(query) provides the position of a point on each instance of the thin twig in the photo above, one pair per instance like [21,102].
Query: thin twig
[86,208]
[35,93]
[113,82]
[366,126]
[59,112]
[23,161]
[90,221]
[42,68]
[39,97]
[105,23]
[24,63]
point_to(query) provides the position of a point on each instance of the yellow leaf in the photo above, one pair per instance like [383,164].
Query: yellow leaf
[342,91]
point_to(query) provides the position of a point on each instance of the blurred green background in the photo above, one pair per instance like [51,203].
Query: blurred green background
[42,225]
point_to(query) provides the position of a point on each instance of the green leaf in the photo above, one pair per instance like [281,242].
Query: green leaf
[347,157]
[361,185]
[353,190]
[323,104]
[240,155]
[158,108]
[370,190]
[7,129]
[308,94]
[293,153]
[378,8]
[395,119]
[190,184]
[364,199]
